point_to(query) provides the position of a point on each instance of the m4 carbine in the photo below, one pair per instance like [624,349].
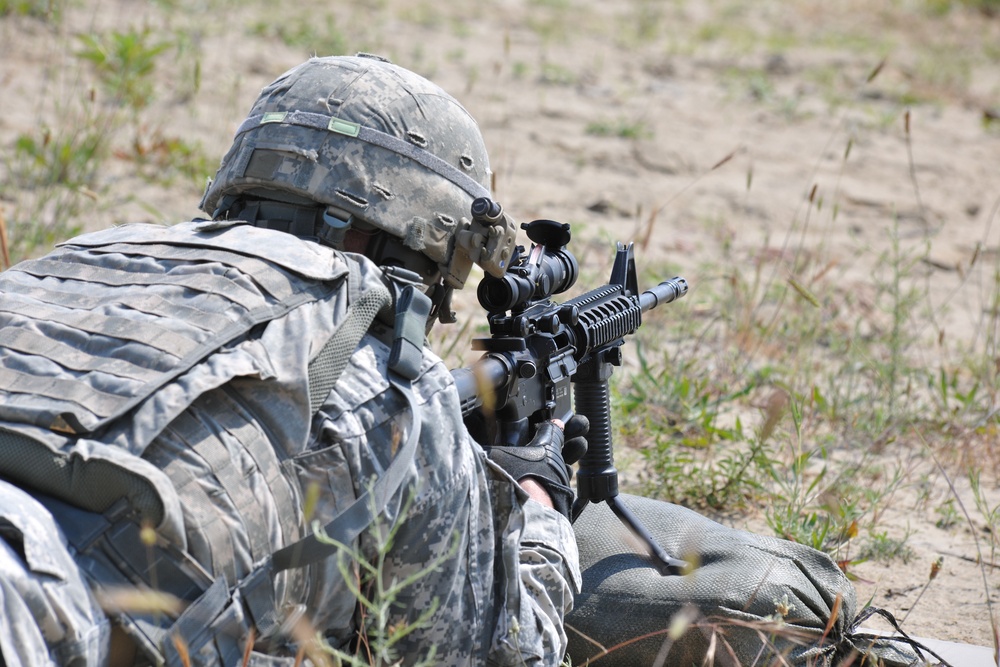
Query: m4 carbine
[538,348]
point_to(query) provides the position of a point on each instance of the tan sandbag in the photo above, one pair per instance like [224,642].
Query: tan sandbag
[746,600]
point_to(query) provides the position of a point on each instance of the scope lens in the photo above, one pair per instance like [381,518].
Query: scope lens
[495,294]
[555,272]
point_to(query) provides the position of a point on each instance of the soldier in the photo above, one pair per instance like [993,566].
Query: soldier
[184,407]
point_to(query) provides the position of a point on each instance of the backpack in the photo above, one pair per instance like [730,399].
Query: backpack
[150,376]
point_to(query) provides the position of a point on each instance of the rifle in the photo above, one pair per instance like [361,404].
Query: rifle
[538,348]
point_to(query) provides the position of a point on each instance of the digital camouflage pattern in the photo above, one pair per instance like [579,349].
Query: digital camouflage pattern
[47,613]
[235,451]
[373,140]
[508,565]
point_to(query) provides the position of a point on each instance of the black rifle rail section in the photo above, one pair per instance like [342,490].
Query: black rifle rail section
[540,348]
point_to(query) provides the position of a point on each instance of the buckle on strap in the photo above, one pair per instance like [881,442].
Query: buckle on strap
[412,310]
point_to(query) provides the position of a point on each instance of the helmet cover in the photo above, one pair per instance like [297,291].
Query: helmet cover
[376,141]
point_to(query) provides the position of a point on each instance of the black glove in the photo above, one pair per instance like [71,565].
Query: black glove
[546,458]
[575,434]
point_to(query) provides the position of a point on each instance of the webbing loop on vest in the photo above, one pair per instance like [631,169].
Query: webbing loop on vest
[192,313]
[326,367]
[257,590]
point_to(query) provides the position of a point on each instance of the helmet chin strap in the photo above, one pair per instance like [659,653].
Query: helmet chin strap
[441,305]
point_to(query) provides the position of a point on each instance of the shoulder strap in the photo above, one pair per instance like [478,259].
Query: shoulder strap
[326,367]
[412,309]
[257,589]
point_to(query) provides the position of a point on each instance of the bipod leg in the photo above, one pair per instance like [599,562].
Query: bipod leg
[661,559]
[597,478]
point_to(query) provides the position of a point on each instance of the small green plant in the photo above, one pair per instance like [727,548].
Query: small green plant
[815,529]
[646,20]
[621,128]
[68,157]
[50,10]
[948,516]
[557,75]
[124,62]
[882,548]
[752,82]
[519,70]
[188,64]
[991,515]
[899,301]
[162,159]
[799,506]
[695,459]
[723,481]
[941,7]
[53,177]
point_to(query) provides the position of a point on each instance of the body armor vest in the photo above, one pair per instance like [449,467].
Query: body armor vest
[164,377]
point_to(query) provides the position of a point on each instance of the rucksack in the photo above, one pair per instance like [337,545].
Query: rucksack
[138,362]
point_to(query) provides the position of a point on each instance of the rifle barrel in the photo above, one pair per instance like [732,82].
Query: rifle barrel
[665,292]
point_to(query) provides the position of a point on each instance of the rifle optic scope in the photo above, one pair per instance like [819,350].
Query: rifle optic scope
[549,268]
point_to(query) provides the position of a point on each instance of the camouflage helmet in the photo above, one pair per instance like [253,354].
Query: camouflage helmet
[373,142]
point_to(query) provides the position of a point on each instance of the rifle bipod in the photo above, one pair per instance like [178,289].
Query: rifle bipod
[597,477]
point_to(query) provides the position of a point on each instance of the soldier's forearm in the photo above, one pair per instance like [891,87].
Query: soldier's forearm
[536,492]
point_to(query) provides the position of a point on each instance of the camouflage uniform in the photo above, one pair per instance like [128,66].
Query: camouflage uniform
[47,614]
[173,368]
[500,595]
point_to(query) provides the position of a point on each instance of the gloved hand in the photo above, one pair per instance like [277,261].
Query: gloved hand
[575,434]
[547,458]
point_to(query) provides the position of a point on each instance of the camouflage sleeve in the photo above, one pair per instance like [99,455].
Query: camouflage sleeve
[491,574]
[47,613]
[541,567]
